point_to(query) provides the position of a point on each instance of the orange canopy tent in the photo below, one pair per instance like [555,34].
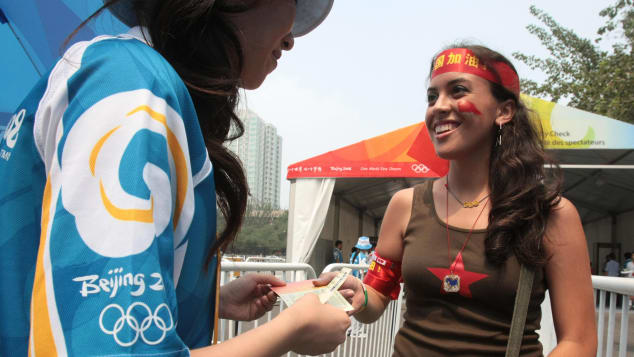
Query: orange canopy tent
[343,193]
[366,171]
[406,152]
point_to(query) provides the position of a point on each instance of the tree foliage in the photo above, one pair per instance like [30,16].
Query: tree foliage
[263,232]
[579,71]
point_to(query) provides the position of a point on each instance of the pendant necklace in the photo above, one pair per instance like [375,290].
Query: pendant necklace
[451,281]
[466,204]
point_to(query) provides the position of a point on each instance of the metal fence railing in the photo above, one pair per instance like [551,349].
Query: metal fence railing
[377,339]
[617,290]
[288,272]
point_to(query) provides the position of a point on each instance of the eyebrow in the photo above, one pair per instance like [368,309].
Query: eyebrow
[451,83]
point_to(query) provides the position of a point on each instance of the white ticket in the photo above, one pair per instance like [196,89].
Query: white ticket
[292,292]
[334,285]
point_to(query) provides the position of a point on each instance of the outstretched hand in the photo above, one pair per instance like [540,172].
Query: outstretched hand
[351,289]
[248,297]
[318,328]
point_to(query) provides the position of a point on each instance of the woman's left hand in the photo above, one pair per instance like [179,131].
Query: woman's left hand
[248,297]
[351,289]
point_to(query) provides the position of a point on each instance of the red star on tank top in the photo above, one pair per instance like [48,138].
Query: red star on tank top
[466,277]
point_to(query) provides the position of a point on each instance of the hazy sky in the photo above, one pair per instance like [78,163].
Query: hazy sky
[363,72]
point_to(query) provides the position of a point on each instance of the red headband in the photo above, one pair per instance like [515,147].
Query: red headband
[465,61]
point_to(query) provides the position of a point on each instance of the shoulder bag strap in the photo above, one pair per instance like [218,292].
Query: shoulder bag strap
[522,298]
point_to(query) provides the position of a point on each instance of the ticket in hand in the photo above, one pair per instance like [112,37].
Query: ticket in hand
[334,285]
[329,294]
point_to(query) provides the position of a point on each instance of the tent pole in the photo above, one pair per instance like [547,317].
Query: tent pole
[335,232]
[291,221]
[594,167]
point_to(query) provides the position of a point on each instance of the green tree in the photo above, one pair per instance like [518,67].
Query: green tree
[578,70]
[263,231]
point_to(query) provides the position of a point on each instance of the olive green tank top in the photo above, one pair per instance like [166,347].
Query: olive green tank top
[474,321]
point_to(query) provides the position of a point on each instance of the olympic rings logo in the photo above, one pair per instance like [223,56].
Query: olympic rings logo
[420,168]
[152,319]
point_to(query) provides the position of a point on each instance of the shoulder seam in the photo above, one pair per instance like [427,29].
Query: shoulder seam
[56,86]
[65,67]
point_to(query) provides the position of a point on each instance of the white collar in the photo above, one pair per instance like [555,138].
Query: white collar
[141,34]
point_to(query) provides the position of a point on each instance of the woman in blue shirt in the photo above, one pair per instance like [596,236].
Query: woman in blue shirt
[361,255]
[116,164]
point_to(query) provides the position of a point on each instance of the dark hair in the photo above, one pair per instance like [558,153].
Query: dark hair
[523,192]
[354,255]
[199,42]
[627,255]
[338,242]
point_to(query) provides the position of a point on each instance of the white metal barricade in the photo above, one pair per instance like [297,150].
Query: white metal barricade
[615,288]
[288,272]
[376,339]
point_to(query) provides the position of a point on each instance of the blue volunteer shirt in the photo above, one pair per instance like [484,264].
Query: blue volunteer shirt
[359,258]
[107,210]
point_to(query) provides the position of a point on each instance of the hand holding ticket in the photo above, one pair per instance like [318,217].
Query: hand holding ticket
[329,294]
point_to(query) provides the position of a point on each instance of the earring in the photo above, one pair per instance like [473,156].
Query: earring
[499,138]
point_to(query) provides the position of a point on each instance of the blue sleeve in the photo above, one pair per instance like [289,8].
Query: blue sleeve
[118,201]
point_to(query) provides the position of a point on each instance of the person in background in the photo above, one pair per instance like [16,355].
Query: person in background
[372,250]
[611,267]
[337,253]
[628,265]
[628,272]
[361,255]
[111,192]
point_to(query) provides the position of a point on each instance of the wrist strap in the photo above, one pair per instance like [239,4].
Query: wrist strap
[522,299]
[365,292]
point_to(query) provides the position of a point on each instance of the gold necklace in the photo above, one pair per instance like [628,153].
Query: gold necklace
[451,281]
[466,204]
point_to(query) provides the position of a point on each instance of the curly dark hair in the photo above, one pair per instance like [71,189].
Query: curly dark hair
[523,191]
[198,40]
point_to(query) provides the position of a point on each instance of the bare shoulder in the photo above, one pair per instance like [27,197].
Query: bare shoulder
[394,224]
[403,198]
[564,213]
[564,226]
[400,207]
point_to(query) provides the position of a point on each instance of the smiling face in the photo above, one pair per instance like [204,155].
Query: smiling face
[264,31]
[461,114]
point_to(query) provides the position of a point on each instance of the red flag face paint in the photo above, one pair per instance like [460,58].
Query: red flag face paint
[465,61]
[465,106]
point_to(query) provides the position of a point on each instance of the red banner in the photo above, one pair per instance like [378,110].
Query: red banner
[356,169]
[406,152]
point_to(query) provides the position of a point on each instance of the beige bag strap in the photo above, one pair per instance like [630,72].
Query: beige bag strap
[522,298]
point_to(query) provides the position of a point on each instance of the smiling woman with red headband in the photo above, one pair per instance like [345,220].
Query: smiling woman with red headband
[460,242]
